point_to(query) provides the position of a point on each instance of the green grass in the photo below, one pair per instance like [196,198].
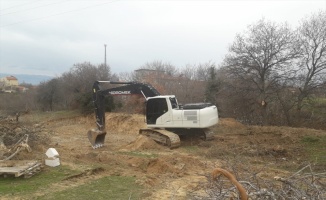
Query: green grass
[191,149]
[22,186]
[317,106]
[110,187]
[316,148]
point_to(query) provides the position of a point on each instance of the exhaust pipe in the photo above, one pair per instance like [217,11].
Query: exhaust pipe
[96,138]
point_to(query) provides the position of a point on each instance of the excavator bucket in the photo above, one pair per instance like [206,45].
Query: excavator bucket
[96,138]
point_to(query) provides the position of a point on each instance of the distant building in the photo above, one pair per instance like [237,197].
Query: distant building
[10,81]
[9,84]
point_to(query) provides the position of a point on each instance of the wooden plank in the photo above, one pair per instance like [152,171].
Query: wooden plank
[20,167]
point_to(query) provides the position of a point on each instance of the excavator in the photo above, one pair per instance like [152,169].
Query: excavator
[166,119]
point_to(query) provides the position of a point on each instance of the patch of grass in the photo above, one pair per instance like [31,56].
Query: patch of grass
[317,106]
[37,116]
[310,140]
[110,187]
[191,149]
[316,148]
[21,186]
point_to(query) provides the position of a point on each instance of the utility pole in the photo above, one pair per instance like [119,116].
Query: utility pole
[105,55]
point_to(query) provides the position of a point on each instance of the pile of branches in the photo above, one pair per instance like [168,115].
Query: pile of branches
[303,184]
[7,154]
[15,137]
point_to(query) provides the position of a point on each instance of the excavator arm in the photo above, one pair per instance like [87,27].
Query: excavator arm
[97,136]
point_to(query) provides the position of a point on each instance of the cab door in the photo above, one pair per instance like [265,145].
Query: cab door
[157,111]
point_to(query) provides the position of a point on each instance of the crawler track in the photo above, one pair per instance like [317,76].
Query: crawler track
[164,137]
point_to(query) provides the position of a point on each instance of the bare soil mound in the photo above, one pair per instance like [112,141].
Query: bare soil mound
[142,143]
[124,123]
[230,123]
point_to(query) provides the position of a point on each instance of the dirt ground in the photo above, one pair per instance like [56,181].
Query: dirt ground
[182,173]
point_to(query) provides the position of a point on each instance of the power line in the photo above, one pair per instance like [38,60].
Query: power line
[34,8]
[62,13]
[19,5]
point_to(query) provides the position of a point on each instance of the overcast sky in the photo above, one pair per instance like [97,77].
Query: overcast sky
[46,37]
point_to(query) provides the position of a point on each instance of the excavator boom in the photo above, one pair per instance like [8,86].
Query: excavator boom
[97,136]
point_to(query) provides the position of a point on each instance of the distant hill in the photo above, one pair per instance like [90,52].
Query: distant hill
[27,78]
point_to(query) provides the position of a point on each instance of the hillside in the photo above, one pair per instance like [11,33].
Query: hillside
[136,167]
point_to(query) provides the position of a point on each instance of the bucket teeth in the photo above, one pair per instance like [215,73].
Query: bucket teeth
[96,146]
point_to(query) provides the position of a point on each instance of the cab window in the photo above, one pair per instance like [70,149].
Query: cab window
[173,102]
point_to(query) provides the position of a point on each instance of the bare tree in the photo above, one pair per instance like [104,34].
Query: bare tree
[312,32]
[81,76]
[203,71]
[48,94]
[191,82]
[73,89]
[261,57]
[125,76]
[161,66]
